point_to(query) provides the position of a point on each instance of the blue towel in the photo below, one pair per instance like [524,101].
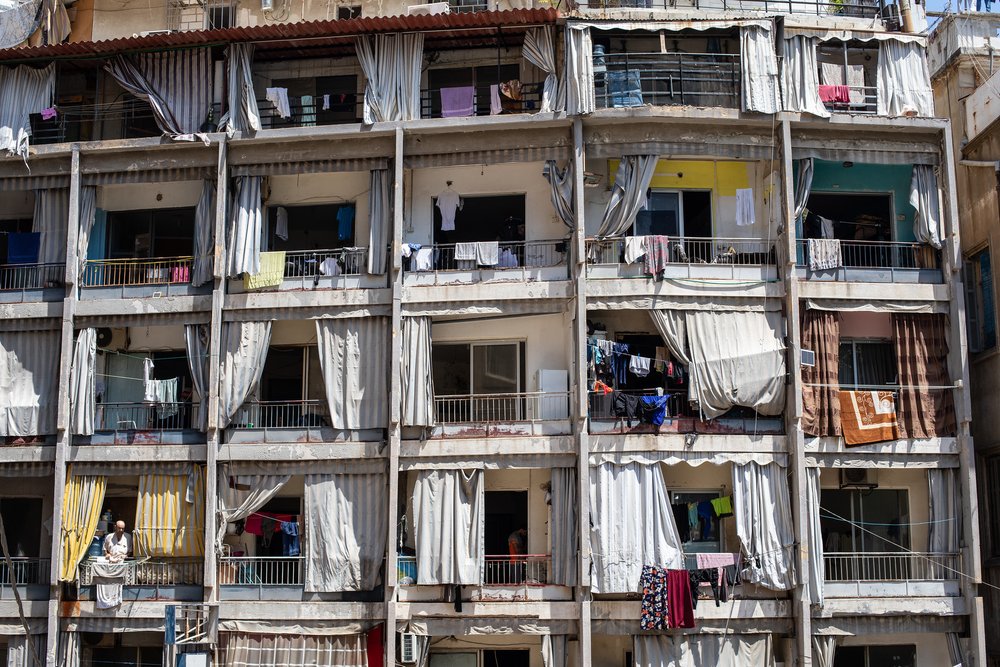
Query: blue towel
[345,222]
[654,409]
[22,248]
[620,360]
[290,538]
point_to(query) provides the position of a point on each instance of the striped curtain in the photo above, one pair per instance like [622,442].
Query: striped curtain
[82,504]
[921,344]
[244,649]
[244,350]
[170,515]
[204,241]
[243,115]
[565,539]
[352,356]
[821,404]
[23,90]
[50,219]
[245,224]
[29,376]
[82,382]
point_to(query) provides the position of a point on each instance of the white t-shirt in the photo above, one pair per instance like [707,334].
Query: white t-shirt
[111,540]
[448,202]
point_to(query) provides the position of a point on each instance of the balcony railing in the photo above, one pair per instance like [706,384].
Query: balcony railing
[690,251]
[25,570]
[514,256]
[123,118]
[503,570]
[845,8]
[134,272]
[681,417]
[885,567]
[525,98]
[862,100]
[260,571]
[345,107]
[601,405]
[514,407]
[319,263]
[31,276]
[660,79]
[174,572]
[281,414]
[143,416]
[879,255]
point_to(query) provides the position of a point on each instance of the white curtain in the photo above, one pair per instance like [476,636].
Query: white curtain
[760,83]
[417,370]
[903,80]
[68,649]
[563,526]
[824,648]
[242,495]
[352,355]
[800,77]
[243,115]
[392,66]
[51,219]
[540,50]
[345,531]
[244,351]
[561,183]
[944,531]
[88,215]
[764,524]
[803,185]
[649,537]
[579,78]
[817,574]
[18,654]
[29,377]
[245,225]
[555,651]
[733,358]
[83,382]
[628,194]
[204,227]
[196,342]
[24,90]
[379,220]
[703,650]
[244,649]
[448,519]
[924,198]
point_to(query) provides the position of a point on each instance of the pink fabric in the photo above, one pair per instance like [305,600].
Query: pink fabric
[835,93]
[705,561]
[49,114]
[457,102]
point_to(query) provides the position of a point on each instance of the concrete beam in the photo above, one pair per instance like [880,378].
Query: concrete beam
[930,447]
[167,305]
[29,311]
[301,452]
[676,443]
[489,292]
[27,454]
[909,606]
[487,448]
[152,454]
[630,610]
[541,610]
[291,611]
[872,292]
[680,289]
[289,301]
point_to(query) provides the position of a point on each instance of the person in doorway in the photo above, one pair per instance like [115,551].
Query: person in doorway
[118,544]
[517,545]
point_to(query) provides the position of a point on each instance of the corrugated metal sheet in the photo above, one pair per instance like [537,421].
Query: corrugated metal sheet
[285,35]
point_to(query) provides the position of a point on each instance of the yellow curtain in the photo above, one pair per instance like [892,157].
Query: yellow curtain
[82,504]
[170,515]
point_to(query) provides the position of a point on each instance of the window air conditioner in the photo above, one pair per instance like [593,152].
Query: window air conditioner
[429,9]
[864,478]
[407,647]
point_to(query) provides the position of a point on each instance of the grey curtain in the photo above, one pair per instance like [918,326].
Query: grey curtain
[955,651]
[539,49]
[555,651]
[817,572]
[579,78]
[246,649]
[392,66]
[924,198]
[243,115]
[824,650]
[19,655]
[23,90]
[417,370]
[379,220]
[563,527]
[944,531]
[88,214]
[764,524]
[561,183]
[204,227]
[760,83]
[176,84]
[68,649]
[196,343]
[29,378]
[82,382]
[800,77]
[803,185]
[245,227]
[238,501]
[244,350]
[51,219]
[628,194]
[448,514]
[346,527]
[672,326]
[903,80]
[703,650]
[352,354]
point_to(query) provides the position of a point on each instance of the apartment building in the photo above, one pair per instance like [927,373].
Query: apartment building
[403,335]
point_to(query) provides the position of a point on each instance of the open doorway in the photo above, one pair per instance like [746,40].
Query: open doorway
[505,536]
[508,658]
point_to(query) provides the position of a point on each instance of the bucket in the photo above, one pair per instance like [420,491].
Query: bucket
[95,550]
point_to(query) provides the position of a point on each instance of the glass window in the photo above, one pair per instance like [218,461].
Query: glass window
[890,655]
[699,528]
[865,520]
[866,363]
[980,310]
[454,660]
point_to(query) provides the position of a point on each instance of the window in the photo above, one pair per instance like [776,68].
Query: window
[484,218]
[980,311]
[992,475]
[505,533]
[883,514]
[675,213]
[703,534]
[219,15]
[117,656]
[22,520]
[480,369]
[454,660]
[348,12]
[902,655]
[856,217]
[8,227]
[146,234]
[480,78]
[307,99]
[866,363]
[851,65]
[322,227]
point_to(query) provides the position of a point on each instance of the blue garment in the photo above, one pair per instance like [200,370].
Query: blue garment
[22,248]
[619,362]
[654,409]
[345,222]
[290,538]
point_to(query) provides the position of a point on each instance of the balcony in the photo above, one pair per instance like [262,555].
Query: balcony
[860,100]
[261,578]
[505,578]
[498,415]
[514,96]
[519,261]
[30,575]
[698,258]
[680,418]
[835,8]
[29,283]
[907,574]
[174,579]
[281,421]
[137,278]
[875,262]
[144,423]
[667,79]
[337,268]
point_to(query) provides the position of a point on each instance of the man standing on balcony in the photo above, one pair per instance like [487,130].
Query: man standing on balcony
[118,544]
[517,544]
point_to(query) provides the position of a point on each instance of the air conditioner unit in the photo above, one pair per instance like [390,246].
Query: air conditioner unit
[407,647]
[112,339]
[266,5]
[859,478]
[429,9]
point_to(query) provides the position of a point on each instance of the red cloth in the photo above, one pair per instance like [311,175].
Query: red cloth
[376,652]
[835,94]
[679,599]
[253,522]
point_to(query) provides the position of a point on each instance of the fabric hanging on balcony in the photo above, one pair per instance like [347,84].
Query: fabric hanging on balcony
[392,65]
[417,372]
[699,650]
[18,22]
[903,80]
[240,649]
[540,50]
[20,654]
[448,515]
[561,183]
[50,219]
[82,505]
[204,241]
[245,223]
[764,524]
[817,575]
[800,77]
[955,651]
[824,650]
[240,494]
[82,386]
[924,198]
[242,115]
[620,548]
[352,355]
[68,649]
[379,220]
[761,82]
[88,215]
[196,342]
[803,185]
[945,529]
[921,343]
[29,379]
[176,84]
[346,526]
[579,77]
[24,90]
[563,522]
[821,405]
[628,194]
[170,515]
[734,358]
[554,650]
[244,350]
[54,24]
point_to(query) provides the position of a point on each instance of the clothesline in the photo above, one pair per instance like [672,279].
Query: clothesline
[881,387]
[892,525]
[654,360]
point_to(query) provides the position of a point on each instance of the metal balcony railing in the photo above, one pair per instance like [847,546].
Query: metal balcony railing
[143,416]
[173,572]
[513,407]
[344,107]
[25,570]
[31,276]
[130,272]
[527,99]
[601,405]
[661,79]
[123,118]
[847,8]
[317,263]
[281,414]
[514,256]
[527,570]
[688,250]
[879,255]
[909,566]
[863,100]
[260,571]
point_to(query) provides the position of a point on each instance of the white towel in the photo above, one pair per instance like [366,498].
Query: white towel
[423,260]
[148,386]
[744,207]
[824,254]
[635,248]
[109,596]
[495,107]
[487,253]
[326,103]
[465,251]
[508,260]
[281,223]
[166,397]
[639,366]
[279,98]
[330,267]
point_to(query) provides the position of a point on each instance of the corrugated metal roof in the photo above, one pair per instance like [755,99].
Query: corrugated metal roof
[284,35]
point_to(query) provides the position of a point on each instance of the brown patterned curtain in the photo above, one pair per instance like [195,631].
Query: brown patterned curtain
[821,405]
[922,361]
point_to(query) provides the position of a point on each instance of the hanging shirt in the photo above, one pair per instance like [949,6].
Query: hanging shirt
[345,222]
[279,98]
[149,388]
[639,366]
[744,207]
[448,202]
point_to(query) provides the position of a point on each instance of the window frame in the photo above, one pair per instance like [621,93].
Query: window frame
[720,542]
[978,295]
